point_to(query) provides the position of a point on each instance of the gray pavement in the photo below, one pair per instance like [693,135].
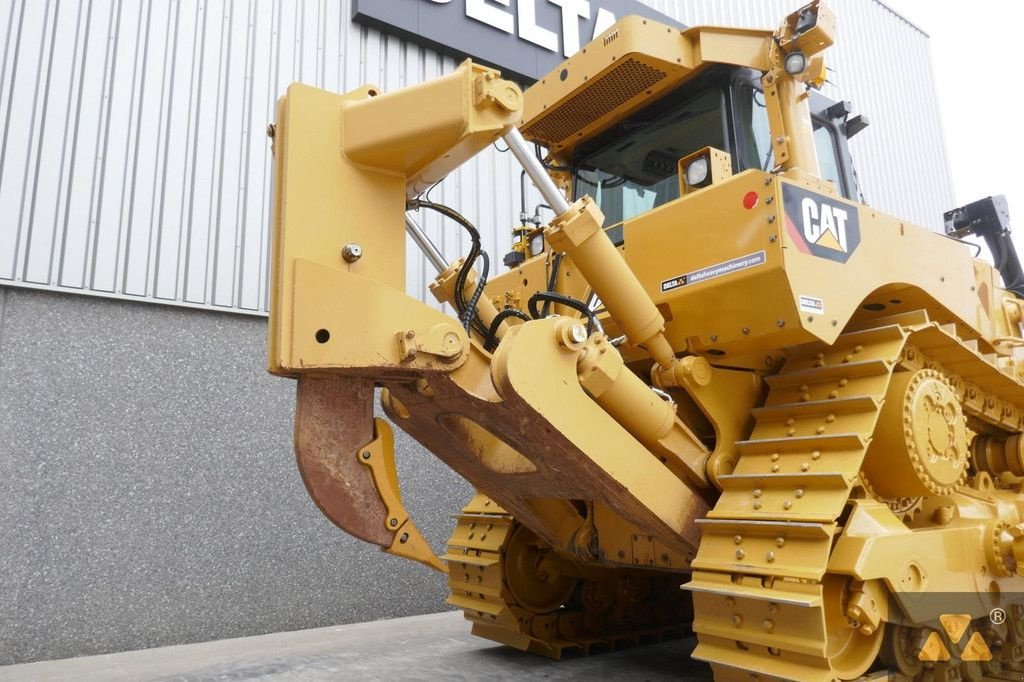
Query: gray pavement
[436,646]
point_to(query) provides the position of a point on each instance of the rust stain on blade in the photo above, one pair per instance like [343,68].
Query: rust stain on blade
[333,420]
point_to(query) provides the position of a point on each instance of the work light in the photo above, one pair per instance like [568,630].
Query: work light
[698,172]
[795,63]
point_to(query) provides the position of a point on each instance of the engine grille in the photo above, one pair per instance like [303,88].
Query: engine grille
[602,96]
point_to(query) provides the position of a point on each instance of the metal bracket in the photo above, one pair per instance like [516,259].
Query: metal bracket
[440,340]
[408,542]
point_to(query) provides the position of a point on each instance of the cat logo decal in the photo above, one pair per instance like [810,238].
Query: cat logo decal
[820,225]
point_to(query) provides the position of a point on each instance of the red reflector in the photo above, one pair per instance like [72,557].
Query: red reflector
[750,200]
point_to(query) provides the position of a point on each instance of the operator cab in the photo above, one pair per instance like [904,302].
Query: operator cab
[632,167]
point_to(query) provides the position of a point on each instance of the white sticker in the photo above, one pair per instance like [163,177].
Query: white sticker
[712,271]
[810,304]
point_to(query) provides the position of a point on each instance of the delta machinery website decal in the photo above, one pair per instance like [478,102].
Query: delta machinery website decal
[717,270]
[820,225]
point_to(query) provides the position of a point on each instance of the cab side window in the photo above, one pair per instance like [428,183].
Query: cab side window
[828,155]
[755,142]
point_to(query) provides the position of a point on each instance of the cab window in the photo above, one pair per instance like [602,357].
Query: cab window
[638,169]
[755,139]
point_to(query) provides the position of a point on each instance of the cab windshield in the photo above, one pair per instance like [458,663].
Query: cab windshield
[638,171]
[634,167]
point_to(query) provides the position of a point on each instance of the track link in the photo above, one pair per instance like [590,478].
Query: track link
[765,607]
[604,609]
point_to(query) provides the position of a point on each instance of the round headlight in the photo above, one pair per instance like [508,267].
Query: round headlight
[795,63]
[697,171]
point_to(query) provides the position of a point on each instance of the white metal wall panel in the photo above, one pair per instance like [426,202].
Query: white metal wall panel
[134,162]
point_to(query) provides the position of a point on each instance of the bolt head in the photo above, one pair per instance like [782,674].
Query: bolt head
[351,252]
[578,333]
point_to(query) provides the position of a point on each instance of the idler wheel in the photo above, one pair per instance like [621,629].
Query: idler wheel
[920,445]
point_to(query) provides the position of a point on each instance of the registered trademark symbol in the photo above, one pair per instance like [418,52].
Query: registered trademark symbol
[997,616]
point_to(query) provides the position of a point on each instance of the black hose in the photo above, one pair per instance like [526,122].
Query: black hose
[547,166]
[469,319]
[492,333]
[469,315]
[552,281]
[567,301]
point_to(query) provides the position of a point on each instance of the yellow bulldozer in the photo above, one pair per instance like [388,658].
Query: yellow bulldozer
[714,392]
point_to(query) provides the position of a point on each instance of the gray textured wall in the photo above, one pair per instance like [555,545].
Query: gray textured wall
[148,491]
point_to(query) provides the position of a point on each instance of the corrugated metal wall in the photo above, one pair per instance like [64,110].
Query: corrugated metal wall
[133,159]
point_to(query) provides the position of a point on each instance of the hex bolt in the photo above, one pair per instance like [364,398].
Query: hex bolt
[351,252]
[366,455]
[393,522]
[404,538]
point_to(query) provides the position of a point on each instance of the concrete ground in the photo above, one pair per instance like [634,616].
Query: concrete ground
[436,646]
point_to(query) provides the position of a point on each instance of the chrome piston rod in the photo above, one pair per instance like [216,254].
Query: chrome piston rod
[428,247]
[523,151]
